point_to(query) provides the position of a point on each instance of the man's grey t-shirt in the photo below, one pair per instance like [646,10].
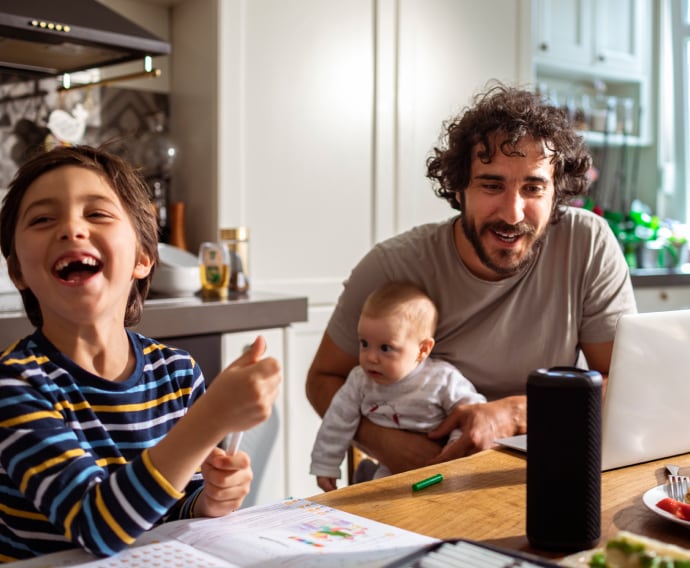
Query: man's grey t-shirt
[496,333]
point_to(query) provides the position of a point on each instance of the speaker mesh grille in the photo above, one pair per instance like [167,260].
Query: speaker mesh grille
[564,463]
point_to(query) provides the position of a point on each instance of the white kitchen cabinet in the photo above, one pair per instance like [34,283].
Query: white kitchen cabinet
[596,49]
[622,35]
[608,37]
[563,34]
[303,340]
[661,299]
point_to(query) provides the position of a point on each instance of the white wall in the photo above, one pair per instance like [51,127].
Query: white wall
[297,146]
[310,121]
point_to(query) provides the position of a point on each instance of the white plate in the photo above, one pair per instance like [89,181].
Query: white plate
[656,494]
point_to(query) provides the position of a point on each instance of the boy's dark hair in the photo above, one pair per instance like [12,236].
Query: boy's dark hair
[512,114]
[125,182]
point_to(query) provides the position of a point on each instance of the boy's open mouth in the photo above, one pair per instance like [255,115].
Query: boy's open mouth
[76,269]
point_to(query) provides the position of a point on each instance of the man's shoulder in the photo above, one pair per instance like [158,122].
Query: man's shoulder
[582,219]
[583,226]
[427,236]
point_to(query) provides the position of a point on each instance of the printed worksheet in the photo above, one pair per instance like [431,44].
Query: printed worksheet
[294,533]
[298,533]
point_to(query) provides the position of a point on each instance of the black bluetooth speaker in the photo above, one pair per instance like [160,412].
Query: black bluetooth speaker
[564,458]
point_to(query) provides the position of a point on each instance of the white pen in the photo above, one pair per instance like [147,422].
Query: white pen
[233,443]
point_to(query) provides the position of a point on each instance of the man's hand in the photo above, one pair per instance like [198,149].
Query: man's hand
[400,450]
[481,424]
[227,479]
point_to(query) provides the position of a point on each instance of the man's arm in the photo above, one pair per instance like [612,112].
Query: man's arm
[598,357]
[327,373]
[481,424]
[398,449]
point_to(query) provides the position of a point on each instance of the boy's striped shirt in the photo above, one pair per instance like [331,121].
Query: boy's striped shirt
[74,467]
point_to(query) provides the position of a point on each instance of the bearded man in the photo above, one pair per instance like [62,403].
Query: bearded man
[522,280]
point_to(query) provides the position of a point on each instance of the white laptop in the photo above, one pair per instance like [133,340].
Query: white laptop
[646,414]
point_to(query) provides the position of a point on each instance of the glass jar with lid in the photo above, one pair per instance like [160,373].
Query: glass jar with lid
[236,241]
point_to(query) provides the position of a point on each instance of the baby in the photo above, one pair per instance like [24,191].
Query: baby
[396,384]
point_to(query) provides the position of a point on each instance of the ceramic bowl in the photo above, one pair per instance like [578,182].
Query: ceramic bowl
[177,273]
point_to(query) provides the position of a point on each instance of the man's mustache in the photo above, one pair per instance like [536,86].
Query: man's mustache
[518,229]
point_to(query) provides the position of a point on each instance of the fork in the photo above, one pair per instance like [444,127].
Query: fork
[678,484]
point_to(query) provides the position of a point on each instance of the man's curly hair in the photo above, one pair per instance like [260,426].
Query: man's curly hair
[509,114]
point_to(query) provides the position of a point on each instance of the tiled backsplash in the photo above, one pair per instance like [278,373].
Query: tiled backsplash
[114,114]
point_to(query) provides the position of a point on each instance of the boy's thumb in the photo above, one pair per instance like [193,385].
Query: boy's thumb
[252,354]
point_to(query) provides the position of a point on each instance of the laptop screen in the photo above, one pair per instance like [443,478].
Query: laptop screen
[646,412]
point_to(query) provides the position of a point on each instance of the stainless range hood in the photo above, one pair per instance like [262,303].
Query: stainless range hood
[52,37]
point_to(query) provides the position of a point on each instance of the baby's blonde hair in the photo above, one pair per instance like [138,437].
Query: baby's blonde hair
[406,300]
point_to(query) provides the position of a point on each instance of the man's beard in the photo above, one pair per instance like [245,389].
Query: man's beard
[522,229]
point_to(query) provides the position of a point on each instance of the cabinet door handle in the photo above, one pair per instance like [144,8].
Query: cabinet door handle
[543,46]
[601,58]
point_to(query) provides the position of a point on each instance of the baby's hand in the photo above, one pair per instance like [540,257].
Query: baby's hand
[227,480]
[326,483]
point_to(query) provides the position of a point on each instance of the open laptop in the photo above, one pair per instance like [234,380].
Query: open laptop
[646,413]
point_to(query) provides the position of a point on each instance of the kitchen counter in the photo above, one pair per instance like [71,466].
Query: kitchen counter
[188,322]
[654,277]
[171,317]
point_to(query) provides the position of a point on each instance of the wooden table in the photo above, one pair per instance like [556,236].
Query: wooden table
[482,497]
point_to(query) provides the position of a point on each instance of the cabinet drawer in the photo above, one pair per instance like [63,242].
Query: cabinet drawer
[662,299]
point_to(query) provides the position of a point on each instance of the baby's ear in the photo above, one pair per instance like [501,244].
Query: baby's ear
[425,347]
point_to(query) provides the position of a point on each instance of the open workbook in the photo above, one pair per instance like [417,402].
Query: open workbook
[290,533]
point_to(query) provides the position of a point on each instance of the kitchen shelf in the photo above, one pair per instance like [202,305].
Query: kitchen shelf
[599,139]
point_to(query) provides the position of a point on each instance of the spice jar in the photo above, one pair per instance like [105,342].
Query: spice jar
[236,240]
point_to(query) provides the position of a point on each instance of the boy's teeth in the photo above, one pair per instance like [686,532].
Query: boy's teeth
[89,261]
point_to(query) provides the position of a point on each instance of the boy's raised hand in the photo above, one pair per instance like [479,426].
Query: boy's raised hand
[243,393]
[240,397]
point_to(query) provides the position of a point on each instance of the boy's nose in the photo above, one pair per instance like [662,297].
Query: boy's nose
[73,228]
